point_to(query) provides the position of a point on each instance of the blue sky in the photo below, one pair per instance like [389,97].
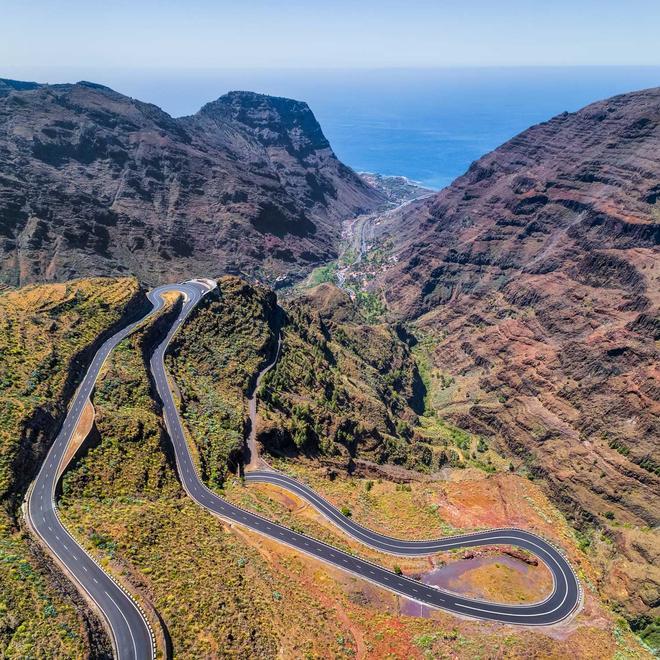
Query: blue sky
[208,34]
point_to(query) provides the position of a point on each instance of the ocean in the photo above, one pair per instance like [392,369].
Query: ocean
[427,125]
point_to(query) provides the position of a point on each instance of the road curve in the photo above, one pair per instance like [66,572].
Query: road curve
[566,593]
[562,602]
[131,634]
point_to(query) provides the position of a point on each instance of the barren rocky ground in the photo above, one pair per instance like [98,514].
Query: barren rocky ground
[94,182]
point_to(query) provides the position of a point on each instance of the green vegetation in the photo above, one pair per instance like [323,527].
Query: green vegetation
[342,386]
[647,628]
[655,213]
[427,641]
[35,620]
[646,462]
[457,448]
[42,331]
[371,305]
[619,446]
[214,360]
[649,464]
[323,274]
[583,539]
[345,386]
[348,257]
[451,445]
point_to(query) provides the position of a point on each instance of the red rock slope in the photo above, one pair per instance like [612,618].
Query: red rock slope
[539,270]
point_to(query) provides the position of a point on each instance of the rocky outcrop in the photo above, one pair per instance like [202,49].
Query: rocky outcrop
[94,182]
[539,270]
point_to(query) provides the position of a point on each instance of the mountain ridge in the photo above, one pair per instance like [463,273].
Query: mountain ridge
[538,273]
[103,183]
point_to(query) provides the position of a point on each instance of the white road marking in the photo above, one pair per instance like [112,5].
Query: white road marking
[126,620]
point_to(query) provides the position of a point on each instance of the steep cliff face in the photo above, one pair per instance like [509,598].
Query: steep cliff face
[538,205]
[94,182]
[539,272]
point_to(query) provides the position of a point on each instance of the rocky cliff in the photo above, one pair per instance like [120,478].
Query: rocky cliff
[94,182]
[538,271]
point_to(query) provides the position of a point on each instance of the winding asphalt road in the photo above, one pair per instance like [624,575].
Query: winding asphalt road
[559,605]
[562,602]
[131,635]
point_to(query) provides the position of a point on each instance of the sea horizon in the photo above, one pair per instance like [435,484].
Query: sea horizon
[427,125]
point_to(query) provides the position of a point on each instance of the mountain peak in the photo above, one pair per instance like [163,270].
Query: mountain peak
[274,120]
[93,85]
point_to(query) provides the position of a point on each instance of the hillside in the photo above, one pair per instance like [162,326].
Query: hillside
[535,280]
[96,183]
[342,389]
[47,335]
[219,589]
